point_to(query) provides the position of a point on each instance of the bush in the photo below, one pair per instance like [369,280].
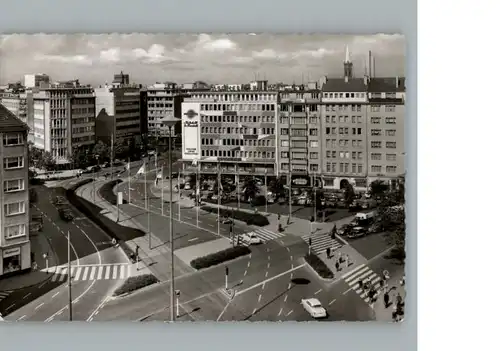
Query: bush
[319,266]
[219,257]
[121,233]
[247,217]
[136,283]
[107,193]
[259,201]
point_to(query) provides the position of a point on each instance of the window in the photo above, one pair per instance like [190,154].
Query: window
[359,119]
[327,119]
[390,144]
[284,120]
[375,120]
[376,169]
[334,154]
[390,169]
[390,120]
[376,132]
[15,208]
[390,132]
[328,167]
[299,156]
[390,157]
[376,156]
[353,168]
[284,166]
[313,155]
[15,231]
[313,120]
[341,154]
[284,154]
[354,155]
[313,132]
[375,108]
[10,186]
[285,143]
[353,119]
[13,139]
[313,143]
[313,168]
[360,168]
[299,132]
[360,155]
[359,131]
[299,143]
[376,144]
[390,108]
[284,131]
[328,154]
[13,162]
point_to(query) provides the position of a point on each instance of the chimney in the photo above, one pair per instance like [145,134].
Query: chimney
[397,82]
[370,63]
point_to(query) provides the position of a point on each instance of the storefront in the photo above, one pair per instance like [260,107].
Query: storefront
[15,259]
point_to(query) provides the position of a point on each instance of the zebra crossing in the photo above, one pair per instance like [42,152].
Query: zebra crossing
[321,242]
[364,273]
[263,234]
[96,272]
[4,294]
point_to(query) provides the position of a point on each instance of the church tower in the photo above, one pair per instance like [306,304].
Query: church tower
[347,65]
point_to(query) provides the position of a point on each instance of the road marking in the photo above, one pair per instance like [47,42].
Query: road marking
[289,286]
[85,273]
[40,305]
[260,297]
[99,272]
[263,286]
[212,225]
[266,274]
[345,292]
[268,280]
[8,308]
[25,296]
[288,249]
[317,292]
[96,311]
[248,265]
[41,285]
[188,217]
[286,298]
[332,302]
[108,272]
[289,313]
[291,258]
[193,239]
[254,310]
[268,257]
[92,273]
[268,265]
[21,318]
[245,274]
[115,272]
[57,293]
[281,310]
[78,272]
[291,275]
[122,274]
[267,249]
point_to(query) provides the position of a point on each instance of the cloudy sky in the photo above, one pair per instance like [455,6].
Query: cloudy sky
[236,58]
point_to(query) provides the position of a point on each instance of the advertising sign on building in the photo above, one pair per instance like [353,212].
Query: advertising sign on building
[190,130]
[300,181]
[12,252]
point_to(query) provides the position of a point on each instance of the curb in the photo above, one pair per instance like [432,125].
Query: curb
[32,285]
[332,280]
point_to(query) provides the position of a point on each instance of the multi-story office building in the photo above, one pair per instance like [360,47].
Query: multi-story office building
[64,118]
[15,248]
[235,130]
[21,105]
[362,129]
[299,134]
[163,101]
[118,110]
[36,80]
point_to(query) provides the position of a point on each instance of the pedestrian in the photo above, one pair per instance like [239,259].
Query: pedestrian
[402,282]
[328,253]
[279,217]
[386,299]
[337,265]
[361,286]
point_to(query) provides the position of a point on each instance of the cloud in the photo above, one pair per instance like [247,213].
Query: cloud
[205,42]
[71,59]
[111,55]
[269,54]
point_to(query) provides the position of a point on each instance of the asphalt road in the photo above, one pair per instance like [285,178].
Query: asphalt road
[371,245]
[90,248]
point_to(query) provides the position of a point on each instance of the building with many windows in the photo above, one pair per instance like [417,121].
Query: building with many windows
[163,101]
[15,248]
[36,80]
[21,105]
[64,119]
[231,129]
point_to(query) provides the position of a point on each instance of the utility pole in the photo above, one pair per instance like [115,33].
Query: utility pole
[111,155]
[70,302]
[171,220]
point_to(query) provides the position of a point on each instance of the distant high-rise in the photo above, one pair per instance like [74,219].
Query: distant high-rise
[121,79]
[35,80]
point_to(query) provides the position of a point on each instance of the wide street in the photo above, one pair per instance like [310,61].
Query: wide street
[91,253]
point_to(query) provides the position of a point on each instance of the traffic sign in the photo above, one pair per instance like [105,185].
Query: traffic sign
[227,270]
[45,255]
[177,292]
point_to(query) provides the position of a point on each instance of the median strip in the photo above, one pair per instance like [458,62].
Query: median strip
[268,280]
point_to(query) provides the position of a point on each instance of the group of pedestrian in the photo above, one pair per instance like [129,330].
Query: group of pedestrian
[341,259]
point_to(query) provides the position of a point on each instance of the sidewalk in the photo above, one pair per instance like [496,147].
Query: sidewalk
[39,246]
[381,312]
[177,197]
[154,260]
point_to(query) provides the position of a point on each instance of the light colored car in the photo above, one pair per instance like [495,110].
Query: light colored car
[313,306]
[251,239]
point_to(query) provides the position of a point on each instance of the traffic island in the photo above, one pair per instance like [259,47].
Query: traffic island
[133,284]
[247,217]
[220,257]
[319,266]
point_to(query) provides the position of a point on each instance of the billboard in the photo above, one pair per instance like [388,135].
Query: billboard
[191,130]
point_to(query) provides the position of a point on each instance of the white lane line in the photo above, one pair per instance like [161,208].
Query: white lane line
[288,249]
[289,286]
[193,239]
[99,273]
[317,292]
[25,296]
[289,313]
[281,310]
[345,292]
[266,274]
[332,302]
[248,265]
[268,280]
[263,286]
[45,282]
[260,297]
[244,274]
[188,217]
[96,311]
[291,258]
[92,273]
[115,272]
[254,310]
[57,293]
[268,257]
[286,298]
[268,265]
[40,305]
[212,225]
[122,272]
[21,318]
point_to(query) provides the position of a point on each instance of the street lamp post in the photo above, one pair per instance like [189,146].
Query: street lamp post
[93,173]
[170,123]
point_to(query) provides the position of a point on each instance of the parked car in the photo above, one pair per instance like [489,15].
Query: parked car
[344,230]
[313,306]
[357,232]
[60,201]
[251,239]
[66,214]
[376,228]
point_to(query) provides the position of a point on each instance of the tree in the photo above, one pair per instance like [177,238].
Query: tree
[349,194]
[251,189]
[101,150]
[39,158]
[80,158]
[378,188]
[278,187]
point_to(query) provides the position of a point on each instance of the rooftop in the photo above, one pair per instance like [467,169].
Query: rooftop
[340,85]
[9,122]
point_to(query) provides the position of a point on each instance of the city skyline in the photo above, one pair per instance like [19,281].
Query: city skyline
[182,58]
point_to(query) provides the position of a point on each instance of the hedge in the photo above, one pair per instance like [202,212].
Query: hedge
[319,266]
[136,283]
[219,257]
[121,233]
[247,217]
[107,193]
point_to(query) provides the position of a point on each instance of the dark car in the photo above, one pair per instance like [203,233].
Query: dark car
[357,232]
[375,228]
[344,230]
[340,204]
[355,207]
[66,214]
